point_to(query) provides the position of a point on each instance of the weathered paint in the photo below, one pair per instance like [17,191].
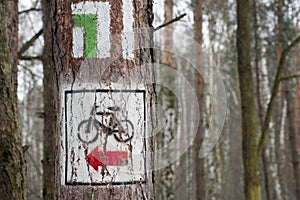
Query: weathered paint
[88,22]
[93,17]
[78,73]
[94,37]
[98,158]
[79,143]
[78,42]
[128,36]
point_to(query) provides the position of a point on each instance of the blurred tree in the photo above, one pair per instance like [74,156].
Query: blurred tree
[50,103]
[251,149]
[165,176]
[198,163]
[249,144]
[257,52]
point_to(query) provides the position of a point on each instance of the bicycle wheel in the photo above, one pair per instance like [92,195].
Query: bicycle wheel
[125,131]
[87,131]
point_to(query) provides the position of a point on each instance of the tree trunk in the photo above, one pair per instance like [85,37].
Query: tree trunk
[13,38]
[292,140]
[295,136]
[50,104]
[258,99]
[199,163]
[250,156]
[93,66]
[279,110]
[164,187]
[168,37]
[12,161]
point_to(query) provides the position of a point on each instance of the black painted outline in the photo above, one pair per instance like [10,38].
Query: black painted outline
[66,138]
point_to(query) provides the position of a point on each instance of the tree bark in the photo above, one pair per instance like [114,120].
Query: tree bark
[12,163]
[67,71]
[168,37]
[293,142]
[296,135]
[279,109]
[164,187]
[258,99]
[198,140]
[249,145]
[50,103]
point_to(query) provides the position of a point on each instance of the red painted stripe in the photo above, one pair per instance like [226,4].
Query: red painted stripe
[110,158]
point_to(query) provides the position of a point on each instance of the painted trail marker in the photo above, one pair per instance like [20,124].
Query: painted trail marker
[104,99]
[93,27]
[104,128]
[105,137]
[109,158]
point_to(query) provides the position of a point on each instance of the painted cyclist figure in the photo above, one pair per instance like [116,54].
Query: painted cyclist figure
[121,129]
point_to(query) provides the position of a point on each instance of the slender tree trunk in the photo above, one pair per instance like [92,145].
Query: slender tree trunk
[165,189]
[12,161]
[212,164]
[292,140]
[50,103]
[250,156]
[258,98]
[168,37]
[279,148]
[294,137]
[297,98]
[199,163]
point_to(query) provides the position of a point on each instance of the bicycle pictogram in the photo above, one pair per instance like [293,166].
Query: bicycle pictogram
[110,124]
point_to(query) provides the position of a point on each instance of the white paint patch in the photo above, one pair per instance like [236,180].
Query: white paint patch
[77,143]
[128,34]
[103,31]
[78,44]
[102,11]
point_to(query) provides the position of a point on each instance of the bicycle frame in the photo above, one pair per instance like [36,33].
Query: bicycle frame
[116,126]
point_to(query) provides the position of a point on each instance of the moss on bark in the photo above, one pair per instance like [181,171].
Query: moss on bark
[12,163]
[249,143]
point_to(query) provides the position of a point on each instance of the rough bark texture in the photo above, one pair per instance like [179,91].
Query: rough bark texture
[250,156]
[199,163]
[12,161]
[13,38]
[50,104]
[62,70]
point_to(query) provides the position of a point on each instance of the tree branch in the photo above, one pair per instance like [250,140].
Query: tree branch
[29,10]
[170,22]
[30,58]
[290,77]
[274,93]
[29,43]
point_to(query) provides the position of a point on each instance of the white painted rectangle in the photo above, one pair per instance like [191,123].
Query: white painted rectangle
[99,108]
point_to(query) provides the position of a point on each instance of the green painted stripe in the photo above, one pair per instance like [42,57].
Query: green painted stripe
[89,24]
